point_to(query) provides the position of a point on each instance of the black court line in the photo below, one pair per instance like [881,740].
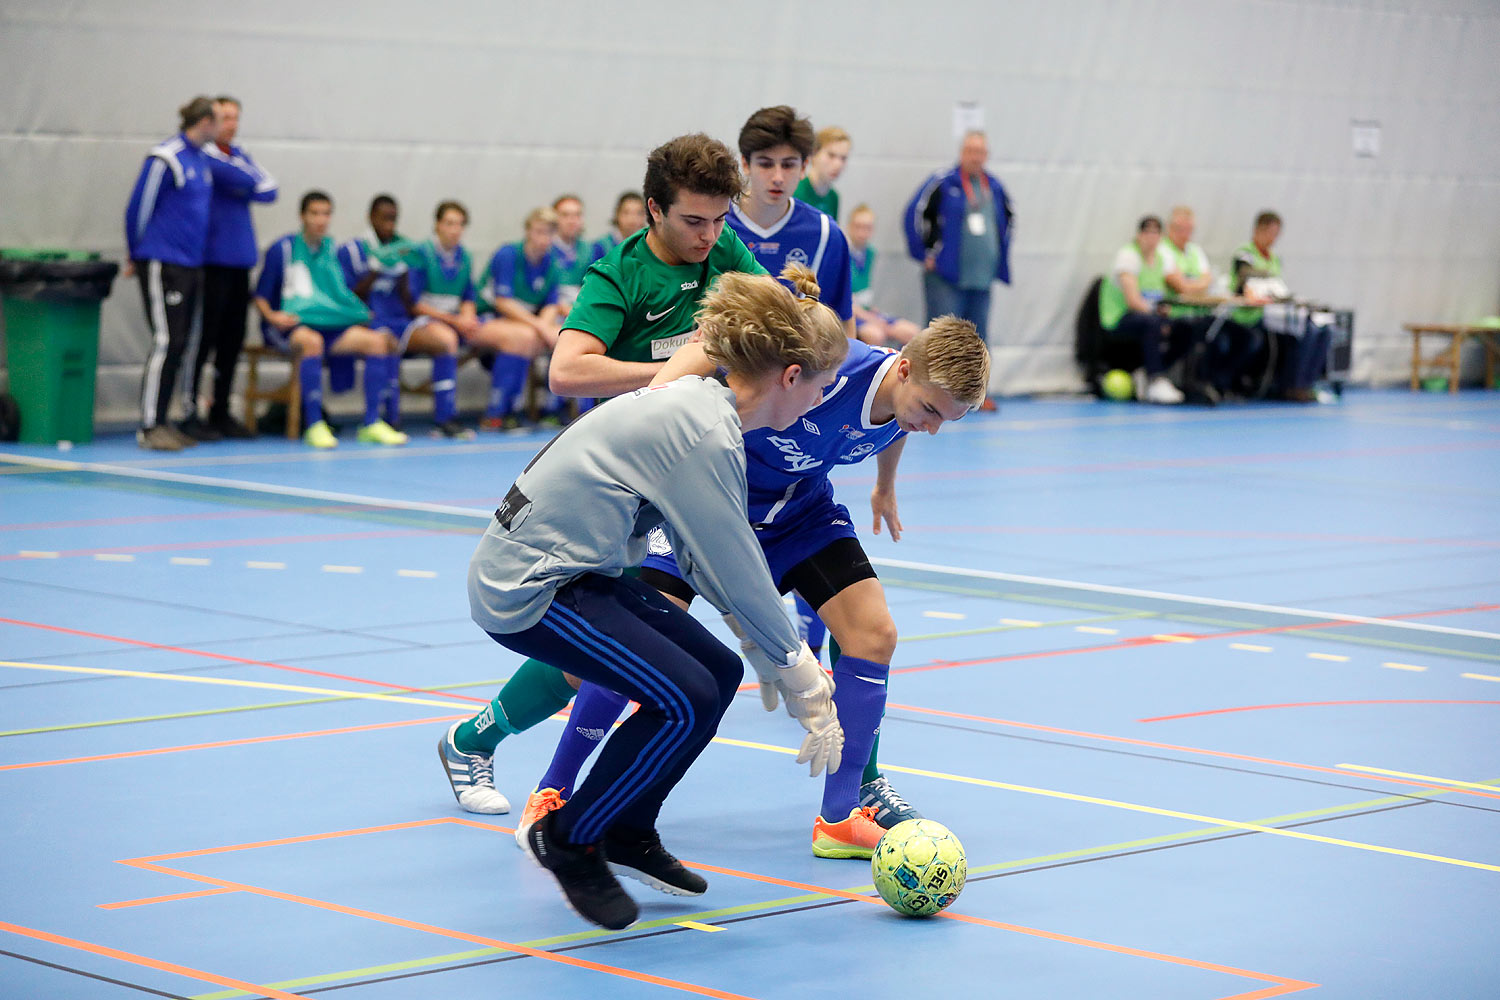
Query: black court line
[94,975]
[1380,792]
[662,931]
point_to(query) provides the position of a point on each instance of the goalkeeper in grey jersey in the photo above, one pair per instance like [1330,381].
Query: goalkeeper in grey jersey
[546,580]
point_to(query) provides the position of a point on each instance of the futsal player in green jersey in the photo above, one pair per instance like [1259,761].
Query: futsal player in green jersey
[635,307]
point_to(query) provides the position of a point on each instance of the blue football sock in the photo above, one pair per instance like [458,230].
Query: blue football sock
[377,380]
[859,694]
[310,381]
[390,399]
[444,387]
[507,379]
[811,627]
[594,711]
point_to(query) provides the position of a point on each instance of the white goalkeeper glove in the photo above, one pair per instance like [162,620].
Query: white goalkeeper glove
[809,699]
[766,670]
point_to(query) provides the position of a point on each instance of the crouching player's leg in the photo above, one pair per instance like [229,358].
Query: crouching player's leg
[617,632]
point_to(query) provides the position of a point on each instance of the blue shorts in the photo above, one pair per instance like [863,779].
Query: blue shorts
[281,339]
[785,543]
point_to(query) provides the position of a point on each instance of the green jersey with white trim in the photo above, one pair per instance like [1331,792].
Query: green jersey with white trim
[643,309]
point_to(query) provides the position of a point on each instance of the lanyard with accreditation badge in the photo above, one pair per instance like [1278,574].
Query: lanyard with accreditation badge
[976,217]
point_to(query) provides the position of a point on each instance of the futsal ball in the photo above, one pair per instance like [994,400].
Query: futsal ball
[1117,384]
[919,867]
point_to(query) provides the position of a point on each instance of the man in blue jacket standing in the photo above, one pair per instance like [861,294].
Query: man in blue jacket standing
[227,261]
[958,226]
[230,253]
[166,228]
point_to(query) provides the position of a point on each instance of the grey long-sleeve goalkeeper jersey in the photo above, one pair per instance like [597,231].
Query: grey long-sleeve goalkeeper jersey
[672,456]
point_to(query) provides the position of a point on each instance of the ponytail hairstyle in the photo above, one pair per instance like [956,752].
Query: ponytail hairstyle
[753,324]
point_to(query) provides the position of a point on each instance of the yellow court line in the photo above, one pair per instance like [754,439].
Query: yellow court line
[1330,657]
[234,682]
[949,615]
[1404,666]
[1022,622]
[695,925]
[1419,777]
[1171,637]
[1249,647]
[1153,810]
[1480,677]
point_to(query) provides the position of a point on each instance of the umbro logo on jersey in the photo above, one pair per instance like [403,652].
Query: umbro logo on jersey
[653,317]
[811,427]
[688,286]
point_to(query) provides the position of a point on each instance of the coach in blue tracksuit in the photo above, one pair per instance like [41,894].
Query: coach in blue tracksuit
[166,229]
[958,226]
[230,254]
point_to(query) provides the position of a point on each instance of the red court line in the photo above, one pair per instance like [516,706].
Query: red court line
[1253,536]
[447,932]
[150,963]
[1146,640]
[1282,985]
[248,741]
[230,543]
[1144,465]
[238,659]
[1319,704]
[1192,750]
[162,899]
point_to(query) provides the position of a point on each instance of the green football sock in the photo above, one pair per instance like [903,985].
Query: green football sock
[872,768]
[533,693]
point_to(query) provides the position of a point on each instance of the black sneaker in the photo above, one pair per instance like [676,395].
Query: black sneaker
[231,428]
[585,880]
[453,430]
[638,854]
[198,430]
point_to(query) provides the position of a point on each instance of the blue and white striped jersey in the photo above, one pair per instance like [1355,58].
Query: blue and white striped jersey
[803,236]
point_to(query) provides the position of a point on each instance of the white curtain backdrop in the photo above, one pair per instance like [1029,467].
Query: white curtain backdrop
[1098,111]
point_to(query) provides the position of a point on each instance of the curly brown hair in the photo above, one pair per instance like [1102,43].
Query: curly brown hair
[695,163]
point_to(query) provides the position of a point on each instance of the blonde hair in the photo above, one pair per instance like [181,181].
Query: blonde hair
[542,214]
[751,324]
[863,208]
[951,355]
[828,136]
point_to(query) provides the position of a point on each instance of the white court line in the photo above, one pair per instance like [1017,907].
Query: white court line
[114,557]
[946,615]
[330,568]
[1247,647]
[421,574]
[191,561]
[1095,630]
[257,564]
[1018,622]
[1100,588]
[483,516]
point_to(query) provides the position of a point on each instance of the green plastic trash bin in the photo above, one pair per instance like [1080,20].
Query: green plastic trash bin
[51,302]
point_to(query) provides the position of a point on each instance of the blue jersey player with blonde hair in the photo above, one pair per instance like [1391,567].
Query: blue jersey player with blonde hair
[811,547]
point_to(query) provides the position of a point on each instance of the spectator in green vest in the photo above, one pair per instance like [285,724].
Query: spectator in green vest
[1131,309]
[1302,336]
[1228,357]
[824,167]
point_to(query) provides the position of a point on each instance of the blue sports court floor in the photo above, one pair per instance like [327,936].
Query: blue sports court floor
[1210,696]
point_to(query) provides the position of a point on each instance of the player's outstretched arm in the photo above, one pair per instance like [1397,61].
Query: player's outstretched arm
[580,368]
[689,359]
[883,497]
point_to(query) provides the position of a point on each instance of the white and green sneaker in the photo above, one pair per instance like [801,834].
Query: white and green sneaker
[381,432]
[471,776]
[890,807]
[320,435]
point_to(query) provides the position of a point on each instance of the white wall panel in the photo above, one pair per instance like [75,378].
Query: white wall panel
[1098,112]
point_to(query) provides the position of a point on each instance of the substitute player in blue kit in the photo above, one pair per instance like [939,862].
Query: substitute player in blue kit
[811,547]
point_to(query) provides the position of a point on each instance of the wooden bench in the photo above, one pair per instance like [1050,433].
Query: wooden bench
[288,394]
[1449,357]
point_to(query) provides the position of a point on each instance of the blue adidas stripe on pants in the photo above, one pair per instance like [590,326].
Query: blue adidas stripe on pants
[622,635]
